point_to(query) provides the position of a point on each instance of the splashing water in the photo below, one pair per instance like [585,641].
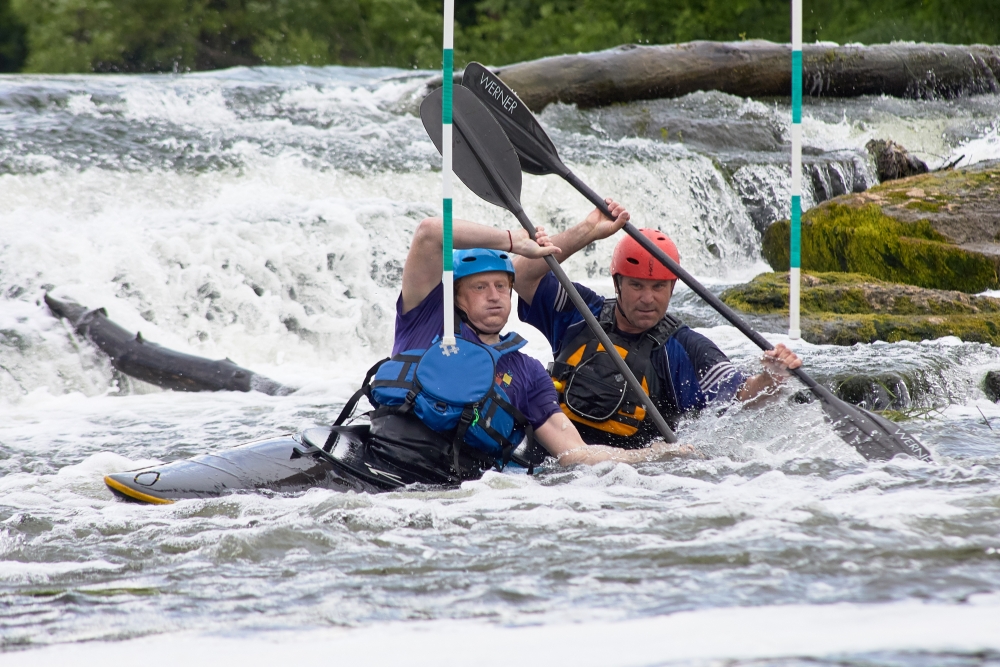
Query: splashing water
[264,215]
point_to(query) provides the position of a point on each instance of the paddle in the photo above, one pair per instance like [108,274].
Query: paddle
[486,162]
[874,437]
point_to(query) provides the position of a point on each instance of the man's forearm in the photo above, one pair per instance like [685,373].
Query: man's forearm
[591,454]
[757,386]
[531,271]
[422,271]
[464,234]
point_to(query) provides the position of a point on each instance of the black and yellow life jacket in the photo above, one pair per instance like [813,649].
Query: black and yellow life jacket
[593,393]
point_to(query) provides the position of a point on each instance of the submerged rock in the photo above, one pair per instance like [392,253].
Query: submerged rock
[844,309]
[939,230]
[991,385]
[892,161]
[886,391]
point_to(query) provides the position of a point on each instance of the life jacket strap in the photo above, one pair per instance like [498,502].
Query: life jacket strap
[514,341]
[466,420]
[520,422]
[531,455]
[365,389]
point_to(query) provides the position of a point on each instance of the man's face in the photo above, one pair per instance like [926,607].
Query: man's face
[485,298]
[644,302]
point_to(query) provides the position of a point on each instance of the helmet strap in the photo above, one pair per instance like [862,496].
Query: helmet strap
[479,332]
[618,299]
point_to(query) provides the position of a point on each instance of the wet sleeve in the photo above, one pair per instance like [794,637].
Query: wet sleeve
[552,312]
[717,378]
[418,327]
[539,400]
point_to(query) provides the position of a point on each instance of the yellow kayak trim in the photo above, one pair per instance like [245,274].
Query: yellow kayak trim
[132,493]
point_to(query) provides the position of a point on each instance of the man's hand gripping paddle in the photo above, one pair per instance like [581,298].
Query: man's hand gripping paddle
[874,437]
[486,162]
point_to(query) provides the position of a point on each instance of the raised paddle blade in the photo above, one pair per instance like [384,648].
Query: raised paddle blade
[538,154]
[475,133]
[874,437]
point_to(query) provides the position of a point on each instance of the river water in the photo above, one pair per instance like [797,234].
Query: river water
[264,215]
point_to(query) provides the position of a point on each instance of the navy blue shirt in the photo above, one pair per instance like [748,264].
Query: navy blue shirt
[528,386]
[693,372]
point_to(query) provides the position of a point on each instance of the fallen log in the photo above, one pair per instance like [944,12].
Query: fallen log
[136,357]
[753,68]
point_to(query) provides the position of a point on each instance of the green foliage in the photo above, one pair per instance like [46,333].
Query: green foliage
[158,35]
[165,35]
[863,239]
[12,40]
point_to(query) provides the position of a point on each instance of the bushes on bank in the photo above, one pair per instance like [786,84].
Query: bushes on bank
[166,35]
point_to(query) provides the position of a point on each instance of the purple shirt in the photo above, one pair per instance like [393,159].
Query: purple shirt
[528,386]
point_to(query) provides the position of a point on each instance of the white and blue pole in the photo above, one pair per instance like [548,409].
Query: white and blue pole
[794,256]
[447,72]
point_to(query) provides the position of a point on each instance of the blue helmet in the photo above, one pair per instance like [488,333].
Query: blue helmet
[480,260]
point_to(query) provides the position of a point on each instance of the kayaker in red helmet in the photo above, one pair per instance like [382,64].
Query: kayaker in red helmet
[681,369]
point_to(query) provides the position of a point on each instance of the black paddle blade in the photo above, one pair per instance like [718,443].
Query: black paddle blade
[482,156]
[876,438]
[538,154]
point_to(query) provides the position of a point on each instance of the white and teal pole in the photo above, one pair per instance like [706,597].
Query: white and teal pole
[447,72]
[794,256]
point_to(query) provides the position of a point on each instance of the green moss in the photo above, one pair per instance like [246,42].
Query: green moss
[926,206]
[852,293]
[836,237]
[847,330]
[844,309]
[896,196]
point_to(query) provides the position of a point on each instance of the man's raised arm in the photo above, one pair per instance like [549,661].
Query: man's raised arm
[422,271]
[593,228]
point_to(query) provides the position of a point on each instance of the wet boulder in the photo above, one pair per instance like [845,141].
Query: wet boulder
[892,161]
[937,230]
[991,385]
[879,392]
[844,309]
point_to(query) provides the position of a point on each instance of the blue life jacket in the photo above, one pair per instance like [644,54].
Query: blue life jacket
[455,391]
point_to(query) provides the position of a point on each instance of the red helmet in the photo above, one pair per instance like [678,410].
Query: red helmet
[632,260]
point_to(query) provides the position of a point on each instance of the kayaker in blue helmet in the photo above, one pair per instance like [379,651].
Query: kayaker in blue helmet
[484,279]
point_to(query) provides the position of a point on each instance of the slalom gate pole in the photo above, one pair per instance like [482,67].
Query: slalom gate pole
[447,275]
[794,256]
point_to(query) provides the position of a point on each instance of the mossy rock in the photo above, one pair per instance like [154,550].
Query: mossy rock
[844,309]
[937,230]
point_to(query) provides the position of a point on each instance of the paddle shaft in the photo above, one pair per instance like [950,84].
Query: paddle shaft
[595,326]
[683,275]
[508,194]
[858,427]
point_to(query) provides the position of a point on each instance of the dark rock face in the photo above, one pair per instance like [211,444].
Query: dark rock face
[991,385]
[892,161]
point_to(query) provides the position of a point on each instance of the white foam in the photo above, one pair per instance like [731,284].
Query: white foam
[19,572]
[736,633]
